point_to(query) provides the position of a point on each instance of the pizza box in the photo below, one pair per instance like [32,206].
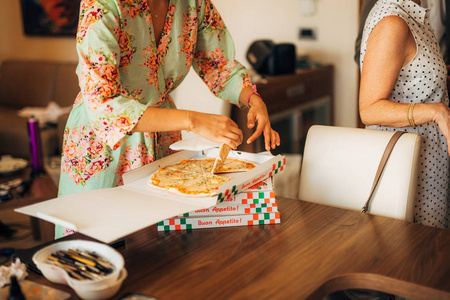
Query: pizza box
[112,213]
[238,204]
[219,221]
[232,210]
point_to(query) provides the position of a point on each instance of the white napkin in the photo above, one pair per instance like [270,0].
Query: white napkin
[195,143]
[17,269]
[44,114]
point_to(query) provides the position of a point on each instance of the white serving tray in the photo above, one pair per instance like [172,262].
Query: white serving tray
[111,213]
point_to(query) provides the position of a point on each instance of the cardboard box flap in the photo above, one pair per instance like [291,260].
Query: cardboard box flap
[108,214]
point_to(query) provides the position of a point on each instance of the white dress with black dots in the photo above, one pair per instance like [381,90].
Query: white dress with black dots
[423,80]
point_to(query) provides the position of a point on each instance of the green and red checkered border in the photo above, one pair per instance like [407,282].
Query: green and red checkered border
[278,167]
[261,209]
[257,197]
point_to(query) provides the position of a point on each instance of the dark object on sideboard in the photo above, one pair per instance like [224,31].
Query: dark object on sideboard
[268,58]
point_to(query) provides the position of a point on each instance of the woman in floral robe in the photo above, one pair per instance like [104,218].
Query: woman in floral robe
[132,54]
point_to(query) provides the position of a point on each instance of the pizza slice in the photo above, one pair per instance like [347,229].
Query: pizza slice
[223,153]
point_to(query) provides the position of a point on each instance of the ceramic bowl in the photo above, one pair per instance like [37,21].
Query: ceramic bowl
[99,292]
[104,286]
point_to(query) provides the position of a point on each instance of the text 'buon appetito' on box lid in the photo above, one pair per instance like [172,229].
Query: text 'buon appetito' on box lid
[111,213]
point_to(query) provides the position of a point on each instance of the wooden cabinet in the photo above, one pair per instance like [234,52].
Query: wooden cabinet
[295,103]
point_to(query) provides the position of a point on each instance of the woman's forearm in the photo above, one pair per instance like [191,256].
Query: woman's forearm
[392,114]
[216,128]
[163,119]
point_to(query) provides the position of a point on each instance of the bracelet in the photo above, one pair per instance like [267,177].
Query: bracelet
[410,115]
[253,92]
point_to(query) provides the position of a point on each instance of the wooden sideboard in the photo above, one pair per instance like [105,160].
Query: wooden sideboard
[295,103]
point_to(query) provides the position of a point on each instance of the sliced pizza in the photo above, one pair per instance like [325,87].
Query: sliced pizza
[193,177]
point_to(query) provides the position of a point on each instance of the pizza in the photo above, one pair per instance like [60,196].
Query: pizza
[194,177]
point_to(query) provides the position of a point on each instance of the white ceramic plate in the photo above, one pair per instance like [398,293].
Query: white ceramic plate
[10,165]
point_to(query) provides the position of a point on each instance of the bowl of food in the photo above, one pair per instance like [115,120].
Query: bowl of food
[90,268]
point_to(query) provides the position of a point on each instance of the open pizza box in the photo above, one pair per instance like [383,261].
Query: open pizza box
[112,213]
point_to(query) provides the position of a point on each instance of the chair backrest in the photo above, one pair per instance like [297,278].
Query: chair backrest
[339,166]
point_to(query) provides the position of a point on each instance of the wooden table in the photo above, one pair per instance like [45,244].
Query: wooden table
[42,188]
[315,251]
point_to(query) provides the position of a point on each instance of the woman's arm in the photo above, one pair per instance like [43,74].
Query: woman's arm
[390,47]
[213,127]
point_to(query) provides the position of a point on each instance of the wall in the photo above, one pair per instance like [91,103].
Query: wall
[14,44]
[335,25]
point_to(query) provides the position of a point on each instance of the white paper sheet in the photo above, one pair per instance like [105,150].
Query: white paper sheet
[196,143]
[109,214]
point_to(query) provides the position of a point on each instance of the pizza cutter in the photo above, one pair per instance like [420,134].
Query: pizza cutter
[220,159]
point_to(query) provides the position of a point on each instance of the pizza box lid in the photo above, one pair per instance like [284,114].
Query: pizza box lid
[112,213]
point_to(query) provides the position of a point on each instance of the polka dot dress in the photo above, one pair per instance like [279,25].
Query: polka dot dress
[423,80]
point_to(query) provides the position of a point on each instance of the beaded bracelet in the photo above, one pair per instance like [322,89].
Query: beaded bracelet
[253,92]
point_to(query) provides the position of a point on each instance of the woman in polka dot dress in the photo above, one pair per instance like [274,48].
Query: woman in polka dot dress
[404,88]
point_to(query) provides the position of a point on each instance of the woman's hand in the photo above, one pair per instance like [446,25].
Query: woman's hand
[258,114]
[216,128]
[443,121]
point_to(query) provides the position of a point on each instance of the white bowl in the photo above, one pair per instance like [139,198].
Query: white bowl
[56,274]
[100,292]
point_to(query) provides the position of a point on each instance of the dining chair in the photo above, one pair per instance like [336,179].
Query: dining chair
[339,166]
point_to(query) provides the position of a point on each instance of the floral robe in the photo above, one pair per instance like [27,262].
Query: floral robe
[122,71]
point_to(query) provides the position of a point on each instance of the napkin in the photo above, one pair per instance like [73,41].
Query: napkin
[17,269]
[195,143]
[44,115]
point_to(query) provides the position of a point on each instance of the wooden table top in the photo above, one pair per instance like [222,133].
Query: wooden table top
[315,251]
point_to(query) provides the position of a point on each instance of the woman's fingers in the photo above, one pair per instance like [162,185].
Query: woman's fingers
[443,121]
[261,118]
[275,139]
[271,137]
[267,138]
[259,130]
[217,128]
